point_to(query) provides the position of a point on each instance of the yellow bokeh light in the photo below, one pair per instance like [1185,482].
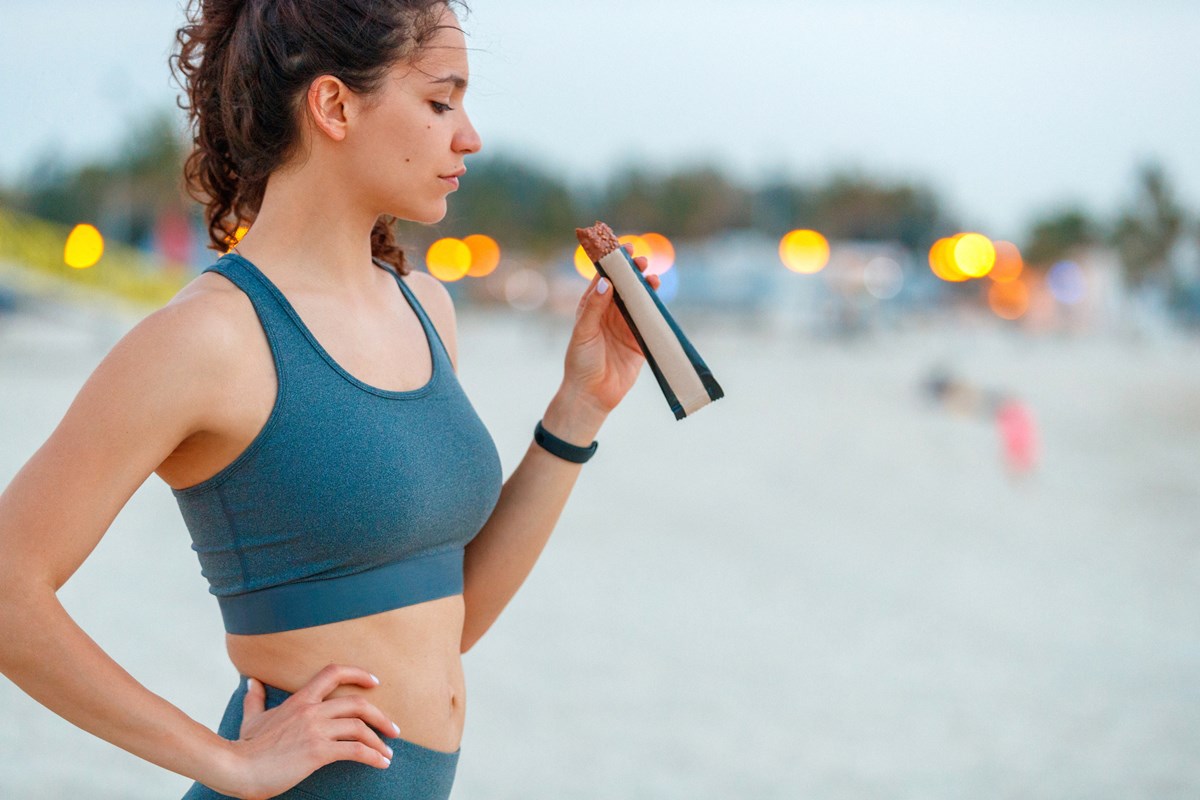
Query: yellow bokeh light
[583,264]
[448,259]
[941,260]
[804,251]
[1008,263]
[84,246]
[974,255]
[662,253]
[485,255]
[1009,300]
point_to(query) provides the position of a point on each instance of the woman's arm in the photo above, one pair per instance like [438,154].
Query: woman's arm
[168,378]
[503,553]
[131,413]
[602,362]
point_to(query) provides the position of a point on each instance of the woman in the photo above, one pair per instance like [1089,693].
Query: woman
[299,398]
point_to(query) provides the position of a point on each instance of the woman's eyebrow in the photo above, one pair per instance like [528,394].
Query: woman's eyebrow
[459,81]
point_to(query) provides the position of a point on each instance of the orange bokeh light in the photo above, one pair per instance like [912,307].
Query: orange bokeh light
[640,246]
[448,259]
[237,236]
[485,254]
[941,260]
[1009,300]
[583,264]
[1008,263]
[662,253]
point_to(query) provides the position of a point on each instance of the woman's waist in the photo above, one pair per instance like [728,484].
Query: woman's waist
[415,652]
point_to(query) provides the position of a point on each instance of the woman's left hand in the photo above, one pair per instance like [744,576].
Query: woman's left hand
[604,357]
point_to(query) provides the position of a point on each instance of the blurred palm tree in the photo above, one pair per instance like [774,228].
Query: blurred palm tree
[1146,233]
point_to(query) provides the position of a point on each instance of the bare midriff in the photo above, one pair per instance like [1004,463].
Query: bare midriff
[415,652]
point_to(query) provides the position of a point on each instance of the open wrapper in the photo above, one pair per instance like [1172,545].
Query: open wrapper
[684,378]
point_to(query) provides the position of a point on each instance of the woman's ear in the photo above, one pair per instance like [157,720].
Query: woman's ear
[329,104]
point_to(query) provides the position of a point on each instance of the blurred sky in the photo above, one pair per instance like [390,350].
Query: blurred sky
[1006,109]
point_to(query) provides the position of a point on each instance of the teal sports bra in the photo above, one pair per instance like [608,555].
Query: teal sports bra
[351,500]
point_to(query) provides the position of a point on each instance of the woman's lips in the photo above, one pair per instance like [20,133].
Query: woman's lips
[451,179]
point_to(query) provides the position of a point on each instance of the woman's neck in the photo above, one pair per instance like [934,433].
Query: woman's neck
[310,231]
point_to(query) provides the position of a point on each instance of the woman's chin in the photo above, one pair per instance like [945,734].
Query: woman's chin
[432,215]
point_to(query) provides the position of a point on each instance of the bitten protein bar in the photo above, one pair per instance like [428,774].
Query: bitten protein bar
[682,375]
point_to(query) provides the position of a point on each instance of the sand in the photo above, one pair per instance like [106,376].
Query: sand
[819,586]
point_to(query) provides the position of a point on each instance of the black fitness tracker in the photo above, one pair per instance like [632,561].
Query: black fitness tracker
[560,448]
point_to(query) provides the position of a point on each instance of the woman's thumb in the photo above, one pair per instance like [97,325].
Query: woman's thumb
[255,701]
[596,300]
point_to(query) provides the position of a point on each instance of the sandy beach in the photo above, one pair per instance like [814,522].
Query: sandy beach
[820,586]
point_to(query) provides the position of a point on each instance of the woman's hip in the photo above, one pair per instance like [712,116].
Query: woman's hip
[416,772]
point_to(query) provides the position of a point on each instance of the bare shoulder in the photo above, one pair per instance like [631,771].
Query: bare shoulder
[184,351]
[205,324]
[438,304]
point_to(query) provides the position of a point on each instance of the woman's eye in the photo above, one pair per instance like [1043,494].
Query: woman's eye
[440,108]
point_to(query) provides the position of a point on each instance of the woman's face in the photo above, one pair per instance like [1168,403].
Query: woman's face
[414,134]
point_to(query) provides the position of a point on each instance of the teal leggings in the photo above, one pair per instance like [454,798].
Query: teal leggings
[416,772]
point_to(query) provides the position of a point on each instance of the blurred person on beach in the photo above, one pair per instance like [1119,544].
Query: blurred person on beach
[315,125]
[1015,422]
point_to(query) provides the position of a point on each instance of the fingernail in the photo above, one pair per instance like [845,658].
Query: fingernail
[602,286]
[389,761]
[390,752]
[396,728]
[374,678]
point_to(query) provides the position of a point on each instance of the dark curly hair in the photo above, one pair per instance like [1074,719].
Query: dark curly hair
[245,65]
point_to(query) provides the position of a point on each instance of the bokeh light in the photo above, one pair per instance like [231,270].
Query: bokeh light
[84,246]
[237,237]
[1067,283]
[583,264]
[941,260]
[485,255]
[662,253]
[1009,299]
[804,251]
[883,278]
[1008,263]
[974,255]
[526,289]
[640,246]
[448,259]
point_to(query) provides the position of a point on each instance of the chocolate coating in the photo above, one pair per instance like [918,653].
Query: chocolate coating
[597,241]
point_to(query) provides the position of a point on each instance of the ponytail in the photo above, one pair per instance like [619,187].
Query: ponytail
[244,65]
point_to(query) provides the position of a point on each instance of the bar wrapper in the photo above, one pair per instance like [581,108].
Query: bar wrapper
[685,380]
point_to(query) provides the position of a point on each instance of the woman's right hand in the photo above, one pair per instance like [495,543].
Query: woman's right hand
[282,746]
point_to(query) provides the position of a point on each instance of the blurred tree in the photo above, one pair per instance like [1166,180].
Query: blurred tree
[125,193]
[851,206]
[1146,233]
[512,200]
[1053,236]
[691,203]
[781,207]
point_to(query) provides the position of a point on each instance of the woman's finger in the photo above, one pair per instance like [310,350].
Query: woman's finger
[254,702]
[356,706]
[356,751]
[355,730]
[332,677]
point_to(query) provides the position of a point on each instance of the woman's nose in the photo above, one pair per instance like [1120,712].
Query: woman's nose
[467,140]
